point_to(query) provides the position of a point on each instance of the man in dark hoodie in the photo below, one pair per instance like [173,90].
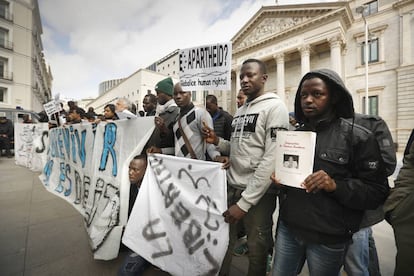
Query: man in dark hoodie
[221,119]
[316,223]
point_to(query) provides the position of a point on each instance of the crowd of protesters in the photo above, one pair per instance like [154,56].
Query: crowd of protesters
[319,223]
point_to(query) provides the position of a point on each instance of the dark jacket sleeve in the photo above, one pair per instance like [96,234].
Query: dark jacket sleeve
[227,125]
[404,184]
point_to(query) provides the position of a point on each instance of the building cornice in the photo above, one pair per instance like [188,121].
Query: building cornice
[402,3]
[278,22]
[372,30]
[374,88]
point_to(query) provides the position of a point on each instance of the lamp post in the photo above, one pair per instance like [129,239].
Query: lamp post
[361,10]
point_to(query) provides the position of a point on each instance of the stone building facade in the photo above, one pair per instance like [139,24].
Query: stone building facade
[294,39]
[25,78]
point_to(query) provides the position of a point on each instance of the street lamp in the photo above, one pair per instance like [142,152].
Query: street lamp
[361,10]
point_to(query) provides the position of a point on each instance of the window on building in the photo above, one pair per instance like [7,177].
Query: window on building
[4,73]
[4,36]
[3,94]
[193,96]
[3,67]
[372,51]
[4,9]
[372,105]
[371,8]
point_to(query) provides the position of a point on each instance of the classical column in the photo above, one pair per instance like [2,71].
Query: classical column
[236,90]
[406,33]
[237,80]
[224,97]
[335,43]
[304,59]
[280,65]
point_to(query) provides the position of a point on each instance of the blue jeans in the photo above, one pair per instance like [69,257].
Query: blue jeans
[357,258]
[134,265]
[291,253]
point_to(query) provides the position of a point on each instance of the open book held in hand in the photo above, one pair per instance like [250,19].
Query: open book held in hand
[294,156]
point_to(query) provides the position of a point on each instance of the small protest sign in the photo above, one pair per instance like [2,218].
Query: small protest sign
[206,67]
[52,107]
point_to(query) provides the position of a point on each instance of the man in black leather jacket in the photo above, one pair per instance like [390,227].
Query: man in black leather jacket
[316,223]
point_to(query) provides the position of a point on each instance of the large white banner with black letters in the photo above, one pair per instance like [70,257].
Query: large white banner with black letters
[87,165]
[176,222]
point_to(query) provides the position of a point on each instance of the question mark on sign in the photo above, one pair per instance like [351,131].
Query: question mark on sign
[226,49]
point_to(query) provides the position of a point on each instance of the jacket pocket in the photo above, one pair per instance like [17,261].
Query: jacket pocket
[336,156]
[254,163]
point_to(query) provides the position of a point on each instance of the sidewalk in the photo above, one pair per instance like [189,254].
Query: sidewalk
[42,234]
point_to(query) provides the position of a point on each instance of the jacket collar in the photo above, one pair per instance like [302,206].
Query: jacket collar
[184,110]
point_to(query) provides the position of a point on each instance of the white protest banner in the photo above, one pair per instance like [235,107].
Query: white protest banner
[116,144]
[30,142]
[69,157]
[206,67]
[88,166]
[176,222]
[51,107]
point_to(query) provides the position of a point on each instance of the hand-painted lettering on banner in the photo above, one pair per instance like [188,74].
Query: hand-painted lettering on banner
[83,166]
[185,195]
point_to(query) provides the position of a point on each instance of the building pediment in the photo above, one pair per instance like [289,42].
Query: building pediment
[277,21]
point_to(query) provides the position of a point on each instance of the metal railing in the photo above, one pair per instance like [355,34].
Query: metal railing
[6,15]
[6,75]
[6,44]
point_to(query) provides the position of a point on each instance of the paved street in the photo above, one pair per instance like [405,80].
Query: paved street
[41,234]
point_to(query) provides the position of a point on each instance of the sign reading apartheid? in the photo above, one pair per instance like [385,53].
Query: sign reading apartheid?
[87,165]
[206,67]
[176,222]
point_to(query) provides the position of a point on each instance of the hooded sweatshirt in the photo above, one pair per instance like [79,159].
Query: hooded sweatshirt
[252,146]
[350,155]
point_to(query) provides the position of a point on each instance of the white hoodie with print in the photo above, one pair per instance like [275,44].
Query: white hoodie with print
[252,146]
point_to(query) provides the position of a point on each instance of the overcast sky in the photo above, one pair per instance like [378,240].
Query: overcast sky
[89,41]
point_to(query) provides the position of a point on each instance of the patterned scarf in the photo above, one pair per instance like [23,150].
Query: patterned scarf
[187,116]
